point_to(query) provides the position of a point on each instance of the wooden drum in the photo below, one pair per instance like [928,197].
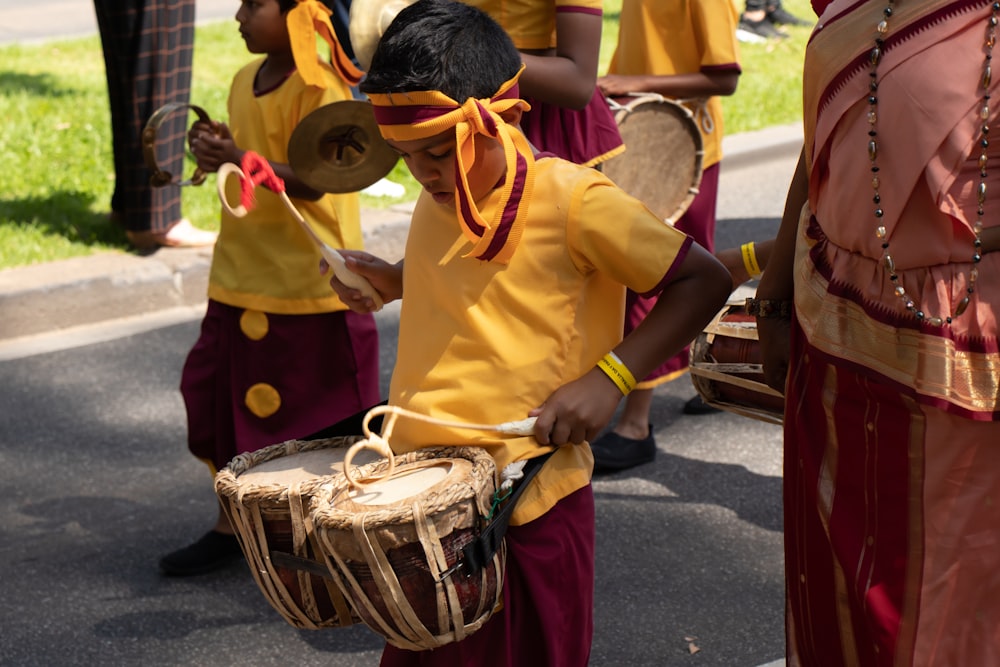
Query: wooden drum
[394,542]
[662,162]
[266,496]
[726,367]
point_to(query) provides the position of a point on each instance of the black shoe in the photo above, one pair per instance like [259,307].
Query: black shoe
[698,406]
[762,29]
[781,17]
[615,452]
[213,551]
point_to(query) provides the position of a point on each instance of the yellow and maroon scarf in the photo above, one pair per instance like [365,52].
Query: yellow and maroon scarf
[421,114]
[306,20]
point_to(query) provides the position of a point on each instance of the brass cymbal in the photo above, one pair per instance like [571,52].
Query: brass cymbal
[369,19]
[338,148]
[159,177]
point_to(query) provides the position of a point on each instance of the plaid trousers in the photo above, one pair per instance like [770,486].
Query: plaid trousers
[148,49]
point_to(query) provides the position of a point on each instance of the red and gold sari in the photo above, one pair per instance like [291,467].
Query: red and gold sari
[892,427]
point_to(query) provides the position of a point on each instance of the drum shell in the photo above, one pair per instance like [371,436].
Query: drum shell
[726,367]
[663,159]
[390,572]
[268,519]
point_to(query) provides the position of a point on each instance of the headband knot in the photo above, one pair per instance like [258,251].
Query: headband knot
[305,20]
[423,114]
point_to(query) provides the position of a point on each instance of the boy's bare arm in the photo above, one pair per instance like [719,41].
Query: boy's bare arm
[579,410]
[386,278]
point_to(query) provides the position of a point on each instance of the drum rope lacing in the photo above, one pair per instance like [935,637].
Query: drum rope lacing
[698,106]
[380,443]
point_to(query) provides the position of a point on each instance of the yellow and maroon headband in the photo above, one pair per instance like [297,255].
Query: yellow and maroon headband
[422,114]
[305,20]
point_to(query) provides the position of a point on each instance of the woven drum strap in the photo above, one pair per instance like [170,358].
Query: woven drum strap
[447,596]
[299,539]
[303,535]
[391,591]
[477,554]
[264,572]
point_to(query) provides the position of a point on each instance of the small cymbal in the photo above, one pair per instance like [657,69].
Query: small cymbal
[369,19]
[338,148]
[159,177]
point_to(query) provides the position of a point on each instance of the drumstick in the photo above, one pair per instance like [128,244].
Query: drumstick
[522,427]
[380,443]
[260,172]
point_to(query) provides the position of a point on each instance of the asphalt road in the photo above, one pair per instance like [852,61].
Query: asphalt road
[97,485]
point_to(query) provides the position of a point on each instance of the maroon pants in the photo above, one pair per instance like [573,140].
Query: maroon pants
[321,368]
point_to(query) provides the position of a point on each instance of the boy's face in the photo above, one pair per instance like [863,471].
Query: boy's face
[262,26]
[432,162]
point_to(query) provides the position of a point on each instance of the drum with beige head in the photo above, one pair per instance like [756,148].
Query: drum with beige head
[395,543]
[662,162]
[266,496]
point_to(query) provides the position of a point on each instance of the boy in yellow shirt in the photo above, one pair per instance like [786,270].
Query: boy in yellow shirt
[278,356]
[514,278]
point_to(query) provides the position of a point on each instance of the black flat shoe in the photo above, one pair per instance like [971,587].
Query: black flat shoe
[780,16]
[698,406]
[616,452]
[763,29]
[213,551]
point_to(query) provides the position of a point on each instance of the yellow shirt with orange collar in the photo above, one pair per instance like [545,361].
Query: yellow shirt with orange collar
[266,261]
[657,37]
[486,342]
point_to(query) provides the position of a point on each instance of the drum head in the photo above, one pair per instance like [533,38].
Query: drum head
[410,482]
[300,467]
[662,162]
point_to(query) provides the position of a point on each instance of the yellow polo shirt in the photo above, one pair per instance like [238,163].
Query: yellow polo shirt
[680,37]
[485,343]
[266,261]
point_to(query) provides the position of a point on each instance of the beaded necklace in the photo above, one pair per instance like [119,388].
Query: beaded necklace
[983,114]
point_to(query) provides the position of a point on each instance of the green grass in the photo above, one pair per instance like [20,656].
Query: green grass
[55,143]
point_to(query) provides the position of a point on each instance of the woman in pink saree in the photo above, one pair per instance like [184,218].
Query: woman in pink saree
[885,263]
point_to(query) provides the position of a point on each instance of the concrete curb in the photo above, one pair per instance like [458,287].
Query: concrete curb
[59,295]
[87,290]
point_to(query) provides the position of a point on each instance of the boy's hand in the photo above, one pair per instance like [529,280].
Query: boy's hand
[386,278]
[212,145]
[577,411]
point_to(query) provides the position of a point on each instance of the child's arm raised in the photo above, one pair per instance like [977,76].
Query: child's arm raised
[579,410]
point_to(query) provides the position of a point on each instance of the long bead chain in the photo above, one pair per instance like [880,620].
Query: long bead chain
[984,114]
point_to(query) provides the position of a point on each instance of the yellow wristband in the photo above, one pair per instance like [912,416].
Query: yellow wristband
[750,260]
[618,372]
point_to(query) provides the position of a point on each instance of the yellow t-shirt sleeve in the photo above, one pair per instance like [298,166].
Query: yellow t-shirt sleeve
[615,234]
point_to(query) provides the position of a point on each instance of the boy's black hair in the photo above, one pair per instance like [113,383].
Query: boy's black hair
[285,5]
[446,46]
